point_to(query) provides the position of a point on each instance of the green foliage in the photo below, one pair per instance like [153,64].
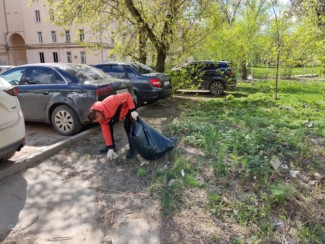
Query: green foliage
[169,182]
[239,240]
[239,138]
[214,238]
[182,79]
[141,172]
[311,233]
[247,211]
[170,198]
[141,30]
[280,192]
[251,129]
[263,72]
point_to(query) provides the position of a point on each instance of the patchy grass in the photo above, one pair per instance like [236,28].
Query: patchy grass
[238,138]
[261,72]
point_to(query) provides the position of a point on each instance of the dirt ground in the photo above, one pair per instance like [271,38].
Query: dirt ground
[78,196]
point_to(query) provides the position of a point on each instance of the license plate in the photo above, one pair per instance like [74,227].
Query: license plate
[122,91]
[166,83]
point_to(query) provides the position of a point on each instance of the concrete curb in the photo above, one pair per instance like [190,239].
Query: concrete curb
[43,153]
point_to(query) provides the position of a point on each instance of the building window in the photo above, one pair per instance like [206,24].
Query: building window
[41,57]
[53,36]
[69,57]
[51,14]
[37,16]
[83,57]
[39,37]
[55,57]
[81,35]
[67,36]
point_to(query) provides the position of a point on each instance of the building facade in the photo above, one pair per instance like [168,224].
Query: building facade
[28,36]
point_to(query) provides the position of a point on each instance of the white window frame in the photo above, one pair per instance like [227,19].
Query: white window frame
[81,35]
[83,57]
[39,37]
[53,36]
[41,57]
[55,57]
[51,14]
[37,16]
[69,57]
[67,36]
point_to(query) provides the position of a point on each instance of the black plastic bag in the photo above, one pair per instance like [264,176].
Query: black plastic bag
[148,142]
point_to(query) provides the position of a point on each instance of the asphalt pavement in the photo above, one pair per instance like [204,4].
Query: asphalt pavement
[42,141]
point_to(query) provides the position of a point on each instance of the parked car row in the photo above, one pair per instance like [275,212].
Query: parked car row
[61,94]
[149,85]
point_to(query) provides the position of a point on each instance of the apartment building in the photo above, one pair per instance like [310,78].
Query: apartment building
[28,36]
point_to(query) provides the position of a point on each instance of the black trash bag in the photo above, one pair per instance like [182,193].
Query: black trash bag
[148,142]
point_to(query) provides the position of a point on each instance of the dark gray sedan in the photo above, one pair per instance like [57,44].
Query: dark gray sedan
[149,85]
[61,94]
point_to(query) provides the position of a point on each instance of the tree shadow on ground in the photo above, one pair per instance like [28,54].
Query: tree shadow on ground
[12,201]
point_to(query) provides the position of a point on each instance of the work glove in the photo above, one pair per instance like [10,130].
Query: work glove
[111,154]
[134,115]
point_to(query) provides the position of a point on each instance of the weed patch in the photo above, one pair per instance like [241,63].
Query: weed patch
[239,137]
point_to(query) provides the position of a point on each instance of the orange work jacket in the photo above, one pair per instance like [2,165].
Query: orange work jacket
[108,107]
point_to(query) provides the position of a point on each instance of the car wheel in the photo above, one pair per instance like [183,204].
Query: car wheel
[65,121]
[216,88]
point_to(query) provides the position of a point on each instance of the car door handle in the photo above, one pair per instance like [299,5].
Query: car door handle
[46,93]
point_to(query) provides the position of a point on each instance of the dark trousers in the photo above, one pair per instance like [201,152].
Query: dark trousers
[127,127]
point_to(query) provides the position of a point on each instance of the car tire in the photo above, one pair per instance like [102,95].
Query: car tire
[139,102]
[65,121]
[216,88]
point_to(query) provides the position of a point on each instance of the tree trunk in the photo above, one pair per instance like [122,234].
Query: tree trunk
[277,75]
[161,46]
[142,47]
[161,57]
[244,71]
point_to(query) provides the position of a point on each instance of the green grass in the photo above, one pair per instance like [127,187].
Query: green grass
[141,172]
[239,137]
[262,72]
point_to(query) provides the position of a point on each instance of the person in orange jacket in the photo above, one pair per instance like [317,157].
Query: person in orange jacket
[112,109]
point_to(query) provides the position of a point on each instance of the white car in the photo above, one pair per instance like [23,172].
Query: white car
[12,124]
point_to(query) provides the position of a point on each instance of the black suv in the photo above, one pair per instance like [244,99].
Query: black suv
[208,75]
[149,85]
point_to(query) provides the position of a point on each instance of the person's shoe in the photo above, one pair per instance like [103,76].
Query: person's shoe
[130,154]
[105,150]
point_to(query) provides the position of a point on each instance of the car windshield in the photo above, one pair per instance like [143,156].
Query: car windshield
[222,64]
[143,69]
[85,72]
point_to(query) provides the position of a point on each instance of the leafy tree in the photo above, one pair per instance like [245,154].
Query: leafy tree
[280,26]
[237,39]
[301,6]
[140,27]
[310,28]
